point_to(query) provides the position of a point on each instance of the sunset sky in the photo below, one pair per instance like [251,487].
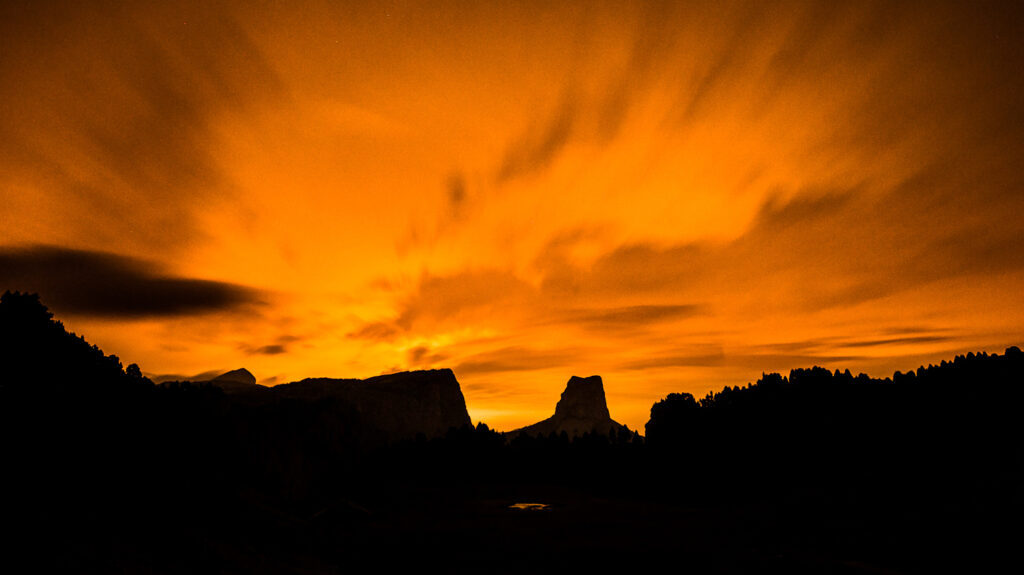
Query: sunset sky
[674,196]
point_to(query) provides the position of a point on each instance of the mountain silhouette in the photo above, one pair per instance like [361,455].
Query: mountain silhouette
[230,381]
[581,409]
[386,408]
[241,376]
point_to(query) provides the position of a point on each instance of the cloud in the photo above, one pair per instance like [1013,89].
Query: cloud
[813,347]
[280,346]
[422,357]
[756,361]
[460,298]
[628,317]
[105,285]
[164,377]
[895,341]
[819,249]
[456,186]
[516,359]
[489,391]
[110,115]
[539,146]
[639,268]
[273,349]
[675,360]
[377,331]
[447,298]
[500,298]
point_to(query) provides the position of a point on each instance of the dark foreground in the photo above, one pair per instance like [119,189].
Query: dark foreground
[445,505]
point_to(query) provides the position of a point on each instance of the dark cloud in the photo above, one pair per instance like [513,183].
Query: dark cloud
[910,330]
[637,316]
[420,356]
[813,347]
[456,192]
[896,341]
[807,207]
[417,353]
[377,331]
[111,286]
[281,346]
[273,349]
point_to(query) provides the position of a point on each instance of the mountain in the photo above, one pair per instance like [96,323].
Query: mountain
[241,375]
[234,381]
[384,408]
[581,409]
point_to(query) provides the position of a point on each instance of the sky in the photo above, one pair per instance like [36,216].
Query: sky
[674,196]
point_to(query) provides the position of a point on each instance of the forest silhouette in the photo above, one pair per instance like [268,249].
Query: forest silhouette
[815,471]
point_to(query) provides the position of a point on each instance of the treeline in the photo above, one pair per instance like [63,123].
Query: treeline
[942,424]
[962,408]
[919,471]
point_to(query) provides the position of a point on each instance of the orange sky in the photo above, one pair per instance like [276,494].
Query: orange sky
[676,197]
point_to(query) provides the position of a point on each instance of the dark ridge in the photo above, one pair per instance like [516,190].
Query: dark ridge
[242,376]
[399,405]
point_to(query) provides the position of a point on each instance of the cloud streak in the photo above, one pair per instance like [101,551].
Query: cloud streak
[136,95]
[104,285]
[511,359]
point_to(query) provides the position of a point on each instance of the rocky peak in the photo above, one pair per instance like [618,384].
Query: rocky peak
[581,409]
[241,375]
[583,398]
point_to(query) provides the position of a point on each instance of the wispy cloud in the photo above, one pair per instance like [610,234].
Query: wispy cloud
[135,95]
[516,359]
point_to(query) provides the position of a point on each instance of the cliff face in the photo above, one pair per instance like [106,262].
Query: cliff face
[583,399]
[400,404]
[380,409]
[582,408]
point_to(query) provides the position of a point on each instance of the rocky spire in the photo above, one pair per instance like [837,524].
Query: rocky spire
[583,398]
[581,409]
